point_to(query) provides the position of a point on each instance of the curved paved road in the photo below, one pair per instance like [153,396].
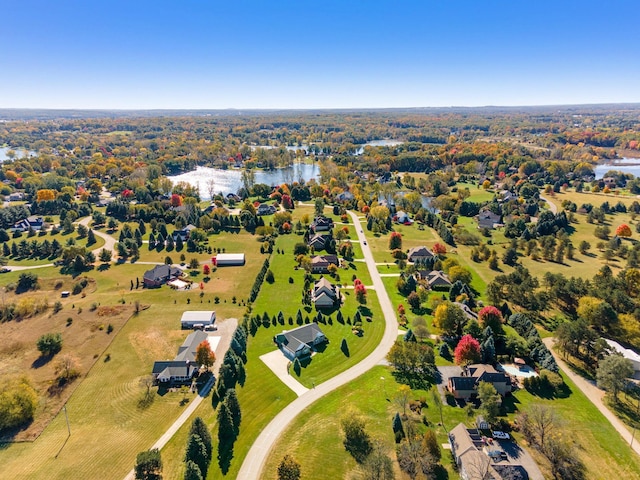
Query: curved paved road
[257,455]
[596,396]
[552,206]
[109,241]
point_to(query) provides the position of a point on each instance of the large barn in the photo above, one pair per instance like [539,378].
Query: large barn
[229,259]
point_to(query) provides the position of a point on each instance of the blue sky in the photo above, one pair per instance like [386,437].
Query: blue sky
[316,54]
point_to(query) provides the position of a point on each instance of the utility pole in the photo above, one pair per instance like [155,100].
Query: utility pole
[66,416]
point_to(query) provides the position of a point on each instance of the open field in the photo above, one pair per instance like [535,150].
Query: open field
[60,237]
[107,400]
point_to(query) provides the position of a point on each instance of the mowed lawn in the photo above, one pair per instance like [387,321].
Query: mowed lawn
[314,439]
[108,427]
[60,237]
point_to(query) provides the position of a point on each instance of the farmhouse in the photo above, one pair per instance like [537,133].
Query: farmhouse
[160,274]
[229,260]
[16,196]
[325,295]
[417,254]
[402,218]
[466,385]
[197,318]
[300,341]
[182,368]
[321,263]
[488,219]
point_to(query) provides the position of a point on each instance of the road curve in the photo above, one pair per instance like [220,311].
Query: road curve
[552,206]
[109,241]
[257,455]
[595,395]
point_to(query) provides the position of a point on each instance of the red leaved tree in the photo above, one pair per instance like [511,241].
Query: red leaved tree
[439,249]
[490,316]
[467,351]
[176,200]
[205,269]
[623,230]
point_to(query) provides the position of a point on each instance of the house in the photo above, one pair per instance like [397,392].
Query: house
[402,218]
[344,197]
[197,319]
[160,274]
[33,221]
[16,197]
[478,458]
[229,260]
[471,315]
[417,254]
[184,367]
[487,219]
[507,196]
[465,386]
[321,263]
[264,209]
[321,224]
[234,197]
[319,241]
[183,233]
[325,295]
[300,341]
[436,279]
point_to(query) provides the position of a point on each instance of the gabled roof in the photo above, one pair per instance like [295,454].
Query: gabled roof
[324,260]
[318,240]
[161,272]
[306,334]
[420,251]
[437,278]
[187,351]
[463,383]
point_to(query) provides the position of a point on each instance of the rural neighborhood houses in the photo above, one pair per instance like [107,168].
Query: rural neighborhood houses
[321,224]
[264,209]
[321,263]
[488,219]
[183,367]
[325,294]
[161,274]
[465,386]
[300,341]
[183,233]
[419,254]
[435,279]
[34,222]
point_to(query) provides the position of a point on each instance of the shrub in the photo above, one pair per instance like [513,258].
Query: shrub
[49,344]
[269,277]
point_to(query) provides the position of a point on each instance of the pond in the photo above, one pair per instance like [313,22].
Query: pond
[20,153]
[625,165]
[230,181]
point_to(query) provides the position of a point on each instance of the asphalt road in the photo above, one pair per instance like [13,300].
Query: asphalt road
[257,455]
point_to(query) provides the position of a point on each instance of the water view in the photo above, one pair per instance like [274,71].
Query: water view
[229,181]
[19,153]
[626,165]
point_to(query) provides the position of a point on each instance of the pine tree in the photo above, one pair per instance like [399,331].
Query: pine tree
[179,244]
[192,471]
[91,237]
[226,429]
[198,427]
[231,400]
[197,453]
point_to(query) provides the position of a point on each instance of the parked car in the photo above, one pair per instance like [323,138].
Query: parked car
[5,270]
[500,435]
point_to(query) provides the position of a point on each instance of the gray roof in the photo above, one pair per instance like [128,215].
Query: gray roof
[420,251]
[187,351]
[301,336]
[162,272]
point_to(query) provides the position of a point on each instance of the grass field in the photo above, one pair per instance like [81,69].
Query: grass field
[60,237]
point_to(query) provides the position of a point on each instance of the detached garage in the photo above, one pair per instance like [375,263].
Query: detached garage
[229,260]
[197,319]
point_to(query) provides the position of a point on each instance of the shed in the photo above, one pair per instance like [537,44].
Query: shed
[191,318]
[229,259]
[64,294]
[481,423]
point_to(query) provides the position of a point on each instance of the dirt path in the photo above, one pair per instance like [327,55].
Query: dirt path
[257,455]
[596,395]
[225,330]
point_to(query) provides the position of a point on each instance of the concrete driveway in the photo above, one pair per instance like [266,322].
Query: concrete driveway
[517,455]
[277,363]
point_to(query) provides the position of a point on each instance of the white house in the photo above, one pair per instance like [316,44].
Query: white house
[626,353]
[197,318]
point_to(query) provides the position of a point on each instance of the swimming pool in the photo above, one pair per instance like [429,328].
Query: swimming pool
[527,371]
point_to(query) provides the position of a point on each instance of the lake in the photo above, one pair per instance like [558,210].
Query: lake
[626,165]
[379,143]
[229,181]
[20,153]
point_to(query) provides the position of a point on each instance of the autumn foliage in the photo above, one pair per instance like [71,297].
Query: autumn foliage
[467,351]
[623,230]
[395,241]
[206,270]
[490,316]
[176,200]
[360,290]
[439,249]
[204,355]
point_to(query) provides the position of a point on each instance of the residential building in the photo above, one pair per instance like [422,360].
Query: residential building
[321,263]
[417,254]
[325,294]
[321,224]
[300,341]
[34,222]
[465,386]
[183,367]
[160,274]
[264,209]
[183,233]
[435,279]
[319,241]
[488,219]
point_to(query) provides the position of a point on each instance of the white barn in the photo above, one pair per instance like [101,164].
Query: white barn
[197,319]
[229,259]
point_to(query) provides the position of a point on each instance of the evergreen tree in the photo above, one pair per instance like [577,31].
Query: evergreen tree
[192,471]
[398,429]
[91,238]
[197,453]
[198,427]
[231,400]
[152,241]
[179,244]
[226,429]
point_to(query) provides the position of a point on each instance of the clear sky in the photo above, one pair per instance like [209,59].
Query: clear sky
[316,54]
